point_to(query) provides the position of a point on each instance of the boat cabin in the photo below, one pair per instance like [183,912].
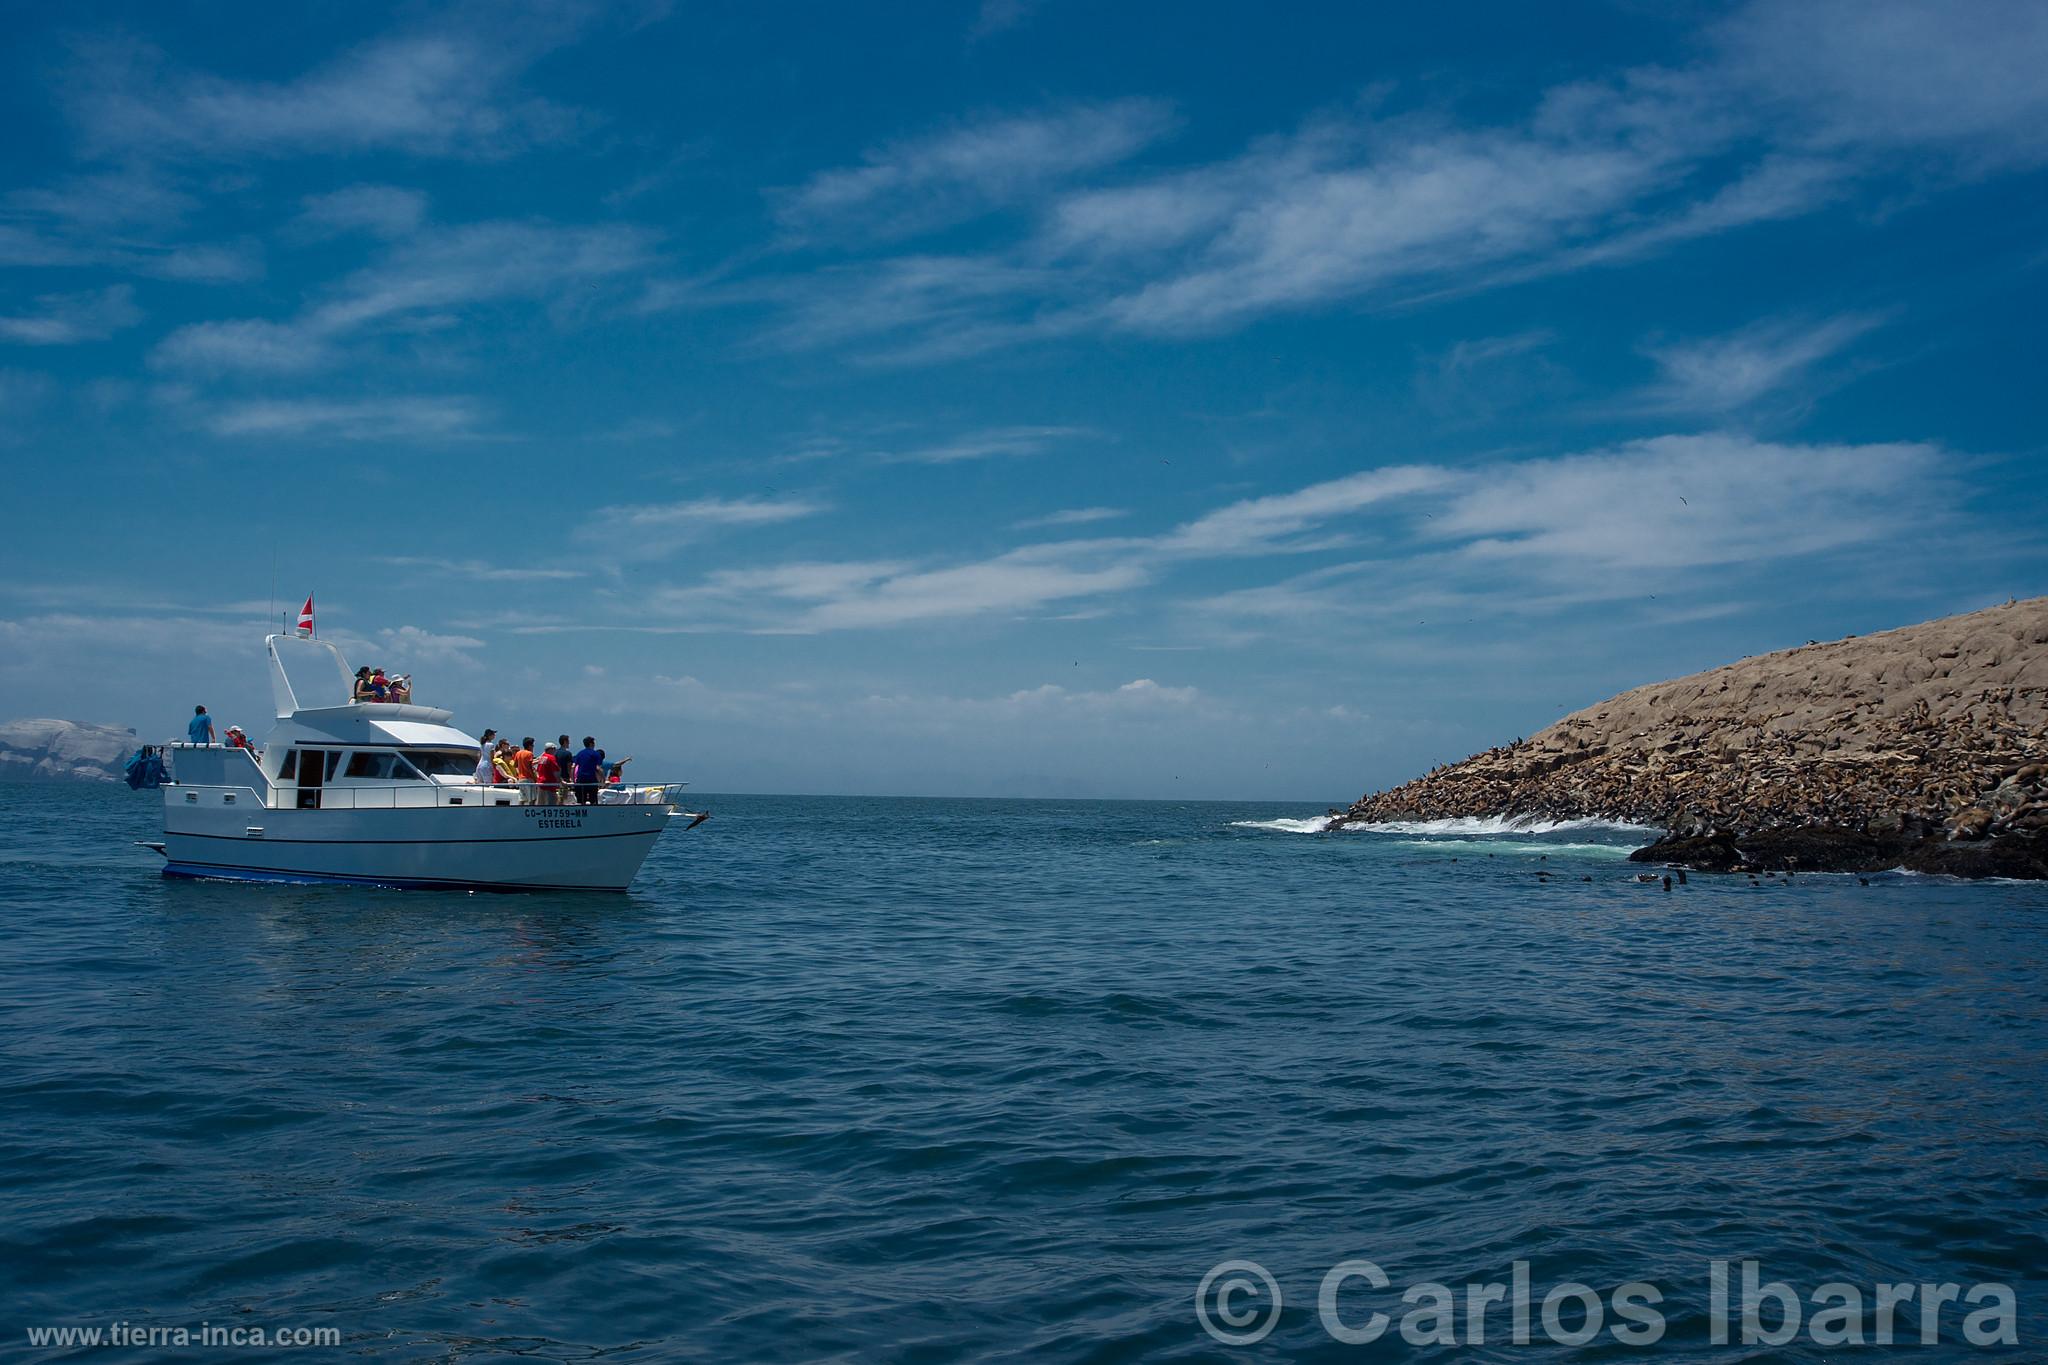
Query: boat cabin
[326,752]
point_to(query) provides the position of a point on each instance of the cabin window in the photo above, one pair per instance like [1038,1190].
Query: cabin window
[370,765]
[444,762]
[333,762]
[290,771]
[404,771]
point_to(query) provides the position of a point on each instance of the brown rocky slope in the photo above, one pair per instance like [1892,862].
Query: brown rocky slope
[1922,747]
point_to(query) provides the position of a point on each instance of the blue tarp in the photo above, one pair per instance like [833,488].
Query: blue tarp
[146,769]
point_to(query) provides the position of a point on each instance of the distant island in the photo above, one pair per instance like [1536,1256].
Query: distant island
[1924,747]
[63,750]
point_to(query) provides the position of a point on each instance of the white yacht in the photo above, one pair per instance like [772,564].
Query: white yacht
[384,794]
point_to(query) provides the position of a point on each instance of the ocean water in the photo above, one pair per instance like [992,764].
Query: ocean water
[931,1080]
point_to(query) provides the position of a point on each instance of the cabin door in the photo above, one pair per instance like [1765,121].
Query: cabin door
[311,772]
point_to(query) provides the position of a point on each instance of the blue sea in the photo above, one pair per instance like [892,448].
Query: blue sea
[943,1080]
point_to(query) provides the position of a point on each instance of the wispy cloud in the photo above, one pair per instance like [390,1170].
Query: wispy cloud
[127,197]
[406,646]
[1071,516]
[1261,525]
[1623,523]
[244,345]
[1721,374]
[28,245]
[653,530]
[1583,527]
[369,419]
[66,319]
[478,571]
[992,443]
[380,210]
[1963,82]
[1381,211]
[416,282]
[944,178]
[442,93]
[1000,16]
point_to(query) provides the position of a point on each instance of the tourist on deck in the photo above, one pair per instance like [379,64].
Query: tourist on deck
[380,686]
[485,774]
[501,762]
[236,739]
[200,727]
[589,772]
[363,690]
[523,769]
[565,754]
[617,773]
[547,771]
[401,689]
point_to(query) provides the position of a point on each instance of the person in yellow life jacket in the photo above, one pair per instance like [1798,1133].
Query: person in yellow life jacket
[501,762]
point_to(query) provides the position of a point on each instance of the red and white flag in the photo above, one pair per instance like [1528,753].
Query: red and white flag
[306,616]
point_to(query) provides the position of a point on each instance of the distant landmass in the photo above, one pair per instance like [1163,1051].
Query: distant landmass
[1924,747]
[63,750]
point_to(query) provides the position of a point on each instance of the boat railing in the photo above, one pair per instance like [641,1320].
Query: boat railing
[417,795]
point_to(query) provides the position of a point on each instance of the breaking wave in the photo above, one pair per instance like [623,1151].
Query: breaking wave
[1460,827]
[1486,826]
[1315,824]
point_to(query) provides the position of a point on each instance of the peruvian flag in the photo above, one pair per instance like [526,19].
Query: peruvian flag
[306,616]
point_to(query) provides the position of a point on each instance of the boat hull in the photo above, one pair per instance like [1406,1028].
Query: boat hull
[484,848]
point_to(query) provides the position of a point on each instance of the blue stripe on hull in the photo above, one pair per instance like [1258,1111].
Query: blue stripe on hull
[208,872]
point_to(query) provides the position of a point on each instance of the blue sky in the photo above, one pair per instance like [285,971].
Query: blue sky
[1022,399]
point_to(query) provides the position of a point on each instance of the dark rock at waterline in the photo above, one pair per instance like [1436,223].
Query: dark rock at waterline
[1825,848]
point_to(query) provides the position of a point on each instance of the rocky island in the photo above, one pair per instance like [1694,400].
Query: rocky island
[1924,747]
[63,751]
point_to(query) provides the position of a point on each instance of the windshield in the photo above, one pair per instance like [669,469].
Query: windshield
[443,762]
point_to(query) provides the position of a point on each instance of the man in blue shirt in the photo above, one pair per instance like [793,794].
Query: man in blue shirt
[588,766]
[201,726]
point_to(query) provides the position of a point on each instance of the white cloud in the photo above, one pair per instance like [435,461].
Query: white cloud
[1788,109]
[1677,502]
[1670,512]
[1018,581]
[477,571]
[808,596]
[66,319]
[1259,525]
[380,210]
[417,282]
[407,646]
[436,94]
[1720,374]
[1964,80]
[371,419]
[653,530]
[986,444]
[932,181]
[1574,528]
[67,247]
[245,345]
[132,196]
[1071,516]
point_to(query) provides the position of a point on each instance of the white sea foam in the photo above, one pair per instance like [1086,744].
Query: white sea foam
[1315,824]
[1494,826]
[1461,827]
[1589,850]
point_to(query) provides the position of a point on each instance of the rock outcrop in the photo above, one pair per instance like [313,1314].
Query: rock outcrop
[63,750]
[1909,747]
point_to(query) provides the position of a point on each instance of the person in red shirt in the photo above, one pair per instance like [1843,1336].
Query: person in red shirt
[547,771]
